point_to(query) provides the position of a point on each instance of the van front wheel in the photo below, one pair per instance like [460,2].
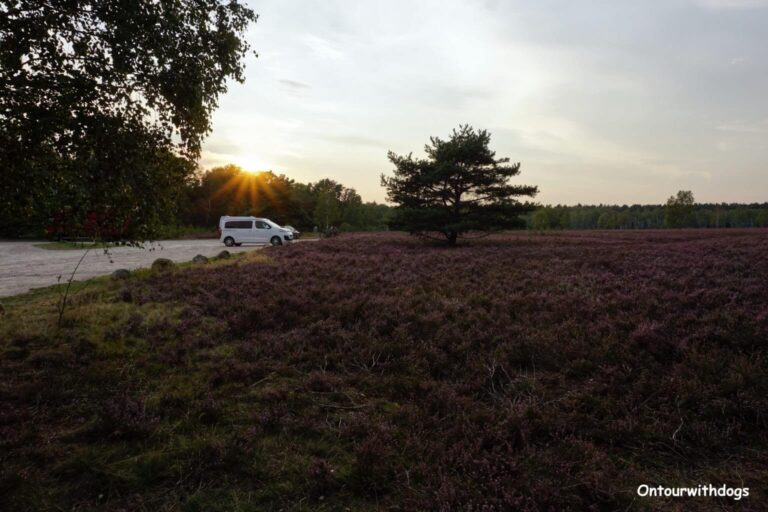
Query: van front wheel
[229,241]
[276,241]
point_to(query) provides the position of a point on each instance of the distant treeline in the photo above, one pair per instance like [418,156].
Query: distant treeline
[706,215]
[228,190]
[197,205]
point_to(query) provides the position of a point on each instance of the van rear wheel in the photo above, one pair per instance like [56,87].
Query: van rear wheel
[229,241]
[276,241]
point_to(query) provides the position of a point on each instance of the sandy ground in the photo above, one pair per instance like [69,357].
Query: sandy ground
[24,266]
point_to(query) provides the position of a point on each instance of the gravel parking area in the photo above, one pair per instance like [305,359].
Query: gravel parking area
[24,266]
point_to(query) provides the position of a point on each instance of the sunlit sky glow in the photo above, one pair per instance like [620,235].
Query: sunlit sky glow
[601,101]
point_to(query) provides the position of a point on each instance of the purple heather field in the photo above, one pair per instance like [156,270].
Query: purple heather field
[382,372]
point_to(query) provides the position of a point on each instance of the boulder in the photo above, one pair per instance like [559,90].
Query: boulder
[199,259]
[121,274]
[162,264]
[223,255]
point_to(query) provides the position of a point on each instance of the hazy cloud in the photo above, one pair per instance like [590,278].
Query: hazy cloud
[745,127]
[322,48]
[354,140]
[293,84]
[732,4]
[619,101]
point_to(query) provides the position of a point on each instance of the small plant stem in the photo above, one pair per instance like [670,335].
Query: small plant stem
[63,302]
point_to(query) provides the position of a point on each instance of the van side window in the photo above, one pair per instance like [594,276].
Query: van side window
[238,224]
[260,224]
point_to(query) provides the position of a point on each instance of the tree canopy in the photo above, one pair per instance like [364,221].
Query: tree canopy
[104,103]
[679,208]
[460,187]
[228,190]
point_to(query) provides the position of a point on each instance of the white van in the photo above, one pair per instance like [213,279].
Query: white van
[252,230]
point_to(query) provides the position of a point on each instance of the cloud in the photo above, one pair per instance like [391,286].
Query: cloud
[294,88]
[293,84]
[222,147]
[601,101]
[354,140]
[731,4]
[210,159]
[322,47]
[744,127]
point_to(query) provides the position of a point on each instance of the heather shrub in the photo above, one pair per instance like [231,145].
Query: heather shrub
[125,417]
[375,372]
[321,479]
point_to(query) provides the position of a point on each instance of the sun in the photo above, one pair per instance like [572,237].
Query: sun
[253,164]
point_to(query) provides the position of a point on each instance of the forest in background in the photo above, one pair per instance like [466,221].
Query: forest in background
[655,216]
[229,190]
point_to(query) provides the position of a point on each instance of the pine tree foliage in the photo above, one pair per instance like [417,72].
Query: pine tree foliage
[460,188]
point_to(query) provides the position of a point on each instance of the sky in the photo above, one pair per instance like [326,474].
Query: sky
[612,101]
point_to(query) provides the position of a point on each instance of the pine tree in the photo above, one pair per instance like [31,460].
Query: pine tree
[460,187]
